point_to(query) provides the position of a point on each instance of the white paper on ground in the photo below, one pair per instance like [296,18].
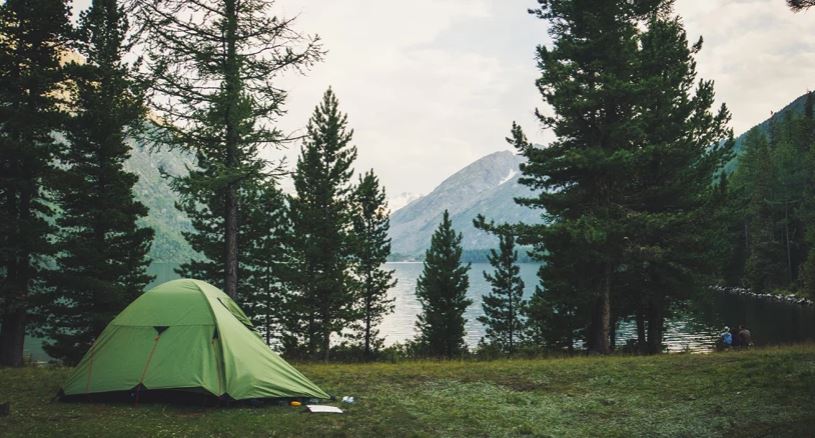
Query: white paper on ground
[324,408]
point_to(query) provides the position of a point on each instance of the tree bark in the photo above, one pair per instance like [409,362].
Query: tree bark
[368,327]
[18,273]
[655,322]
[232,82]
[612,334]
[231,237]
[326,345]
[600,343]
[641,339]
[12,338]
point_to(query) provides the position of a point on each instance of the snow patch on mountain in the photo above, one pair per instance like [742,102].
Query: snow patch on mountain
[510,175]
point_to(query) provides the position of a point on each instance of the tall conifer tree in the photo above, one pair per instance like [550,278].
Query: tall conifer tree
[265,262]
[765,266]
[321,224]
[102,250]
[587,77]
[213,65]
[370,248]
[504,306]
[671,207]
[442,292]
[32,33]
[632,161]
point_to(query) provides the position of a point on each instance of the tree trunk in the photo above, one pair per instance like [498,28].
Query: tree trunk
[612,334]
[18,273]
[368,327]
[12,337]
[311,333]
[326,345]
[232,83]
[231,237]
[603,316]
[641,340]
[511,326]
[655,322]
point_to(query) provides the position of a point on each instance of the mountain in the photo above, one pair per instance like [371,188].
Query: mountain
[154,191]
[487,186]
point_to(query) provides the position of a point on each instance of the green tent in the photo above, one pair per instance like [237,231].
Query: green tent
[186,335]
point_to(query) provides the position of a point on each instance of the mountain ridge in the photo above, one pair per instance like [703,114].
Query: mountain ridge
[413,224]
[486,186]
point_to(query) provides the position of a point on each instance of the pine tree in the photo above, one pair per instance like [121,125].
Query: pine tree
[800,5]
[213,65]
[264,267]
[260,222]
[807,210]
[371,248]
[765,263]
[732,240]
[31,35]
[671,208]
[102,259]
[504,305]
[632,163]
[442,292]
[321,223]
[587,78]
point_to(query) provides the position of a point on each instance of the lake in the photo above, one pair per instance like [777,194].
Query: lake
[694,327]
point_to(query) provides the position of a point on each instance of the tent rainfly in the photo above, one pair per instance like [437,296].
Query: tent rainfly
[190,336]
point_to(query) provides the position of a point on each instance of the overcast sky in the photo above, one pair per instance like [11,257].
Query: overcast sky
[432,85]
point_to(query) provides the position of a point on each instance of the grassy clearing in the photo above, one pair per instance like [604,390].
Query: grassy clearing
[763,392]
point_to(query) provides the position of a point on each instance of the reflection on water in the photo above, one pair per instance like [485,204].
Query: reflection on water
[693,328]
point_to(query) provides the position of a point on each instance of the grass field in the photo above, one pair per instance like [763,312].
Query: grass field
[763,392]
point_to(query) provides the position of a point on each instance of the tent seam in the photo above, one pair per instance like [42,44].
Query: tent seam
[219,366]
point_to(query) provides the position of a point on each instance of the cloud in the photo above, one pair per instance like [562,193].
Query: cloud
[760,54]
[431,85]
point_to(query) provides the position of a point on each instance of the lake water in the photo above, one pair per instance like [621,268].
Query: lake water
[693,328]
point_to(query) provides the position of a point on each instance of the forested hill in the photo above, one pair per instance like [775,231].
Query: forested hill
[154,191]
[796,107]
[770,205]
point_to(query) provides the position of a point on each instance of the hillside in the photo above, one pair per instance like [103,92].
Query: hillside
[154,191]
[487,186]
[794,107]
[760,392]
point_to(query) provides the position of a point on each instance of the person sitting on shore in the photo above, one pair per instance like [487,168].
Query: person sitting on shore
[745,337]
[734,333]
[727,337]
